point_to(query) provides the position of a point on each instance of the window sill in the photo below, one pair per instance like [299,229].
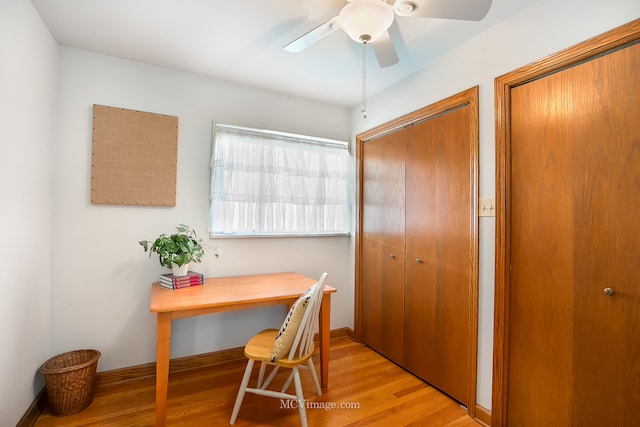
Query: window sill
[275,235]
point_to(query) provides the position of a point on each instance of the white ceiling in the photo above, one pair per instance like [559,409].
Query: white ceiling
[242,41]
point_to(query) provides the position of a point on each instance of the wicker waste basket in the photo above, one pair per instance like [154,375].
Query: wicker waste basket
[69,379]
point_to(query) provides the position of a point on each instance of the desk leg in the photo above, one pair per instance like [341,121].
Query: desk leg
[324,331]
[163,348]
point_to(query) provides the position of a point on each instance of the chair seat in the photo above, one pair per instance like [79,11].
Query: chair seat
[259,348]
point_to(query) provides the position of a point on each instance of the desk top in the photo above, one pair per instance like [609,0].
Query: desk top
[232,293]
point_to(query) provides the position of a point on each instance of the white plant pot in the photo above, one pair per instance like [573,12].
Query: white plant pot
[179,271]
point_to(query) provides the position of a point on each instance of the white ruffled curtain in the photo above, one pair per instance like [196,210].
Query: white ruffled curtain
[261,184]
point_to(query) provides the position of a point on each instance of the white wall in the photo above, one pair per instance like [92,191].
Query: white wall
[93,290]
[546,27]
[27,99]
[101,275]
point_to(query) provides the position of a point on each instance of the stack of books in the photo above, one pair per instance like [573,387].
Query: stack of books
[192,278]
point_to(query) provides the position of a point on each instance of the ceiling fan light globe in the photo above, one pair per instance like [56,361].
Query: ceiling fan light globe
[366,20]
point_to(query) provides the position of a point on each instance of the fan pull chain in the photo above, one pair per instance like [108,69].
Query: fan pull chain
[364,78]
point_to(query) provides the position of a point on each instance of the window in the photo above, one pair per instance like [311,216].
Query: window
[266,183]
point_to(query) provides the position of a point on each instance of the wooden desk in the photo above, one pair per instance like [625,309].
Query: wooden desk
[225,294]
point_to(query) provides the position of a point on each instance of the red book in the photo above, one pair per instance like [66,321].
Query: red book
[186,285]
[191,279]
[179,285]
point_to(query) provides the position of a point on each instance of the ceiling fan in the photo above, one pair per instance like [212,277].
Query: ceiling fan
[367,22]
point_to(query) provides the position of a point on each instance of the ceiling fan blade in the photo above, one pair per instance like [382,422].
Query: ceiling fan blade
[313,36]
[385,51]
[466,10]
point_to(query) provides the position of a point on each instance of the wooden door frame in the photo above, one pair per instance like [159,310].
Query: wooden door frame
[470,97]
[599,45]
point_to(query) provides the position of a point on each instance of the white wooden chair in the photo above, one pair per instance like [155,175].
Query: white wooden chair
[289,347]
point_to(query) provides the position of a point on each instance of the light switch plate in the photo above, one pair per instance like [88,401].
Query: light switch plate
[487,207]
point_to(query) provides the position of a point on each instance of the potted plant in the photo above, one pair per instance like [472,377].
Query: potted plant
[177,250]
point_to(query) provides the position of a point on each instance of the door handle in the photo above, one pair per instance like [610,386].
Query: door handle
[392,256]
[608,291]
[419,261]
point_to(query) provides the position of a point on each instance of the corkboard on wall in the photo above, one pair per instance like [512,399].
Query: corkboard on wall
[134,157]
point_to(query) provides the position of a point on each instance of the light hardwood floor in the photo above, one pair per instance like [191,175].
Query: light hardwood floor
[367,389]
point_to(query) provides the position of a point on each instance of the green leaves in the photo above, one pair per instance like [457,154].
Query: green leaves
[144,244]
[179,248]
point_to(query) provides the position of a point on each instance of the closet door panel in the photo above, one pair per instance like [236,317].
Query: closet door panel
[606,328]
[439,223]
[541,258]
[420,291]
[453,243]
[382,264]
[574,352]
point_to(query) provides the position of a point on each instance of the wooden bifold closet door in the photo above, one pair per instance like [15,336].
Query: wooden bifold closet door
[571,318]
[417,239]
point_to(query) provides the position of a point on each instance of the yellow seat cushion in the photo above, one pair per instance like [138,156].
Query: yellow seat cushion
[287,333]
[259,348]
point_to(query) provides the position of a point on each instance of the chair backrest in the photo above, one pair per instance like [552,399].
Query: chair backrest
[304,336]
